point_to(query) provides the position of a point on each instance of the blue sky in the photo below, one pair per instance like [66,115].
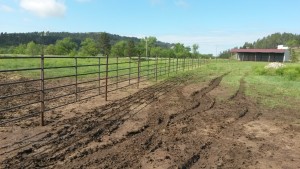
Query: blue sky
[215,25]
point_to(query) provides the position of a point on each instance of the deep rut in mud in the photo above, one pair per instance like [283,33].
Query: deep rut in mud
[177,132]
[78,132]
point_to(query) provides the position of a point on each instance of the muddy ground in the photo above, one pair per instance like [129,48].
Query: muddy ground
[174,124]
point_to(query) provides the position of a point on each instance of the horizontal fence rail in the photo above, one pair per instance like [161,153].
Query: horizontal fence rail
[31,86]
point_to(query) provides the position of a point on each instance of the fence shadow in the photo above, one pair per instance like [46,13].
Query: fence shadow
[76,132]
[53,85]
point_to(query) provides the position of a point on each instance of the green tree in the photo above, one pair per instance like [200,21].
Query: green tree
[293,43]
[21,49]
[65,46]
[157,51]
[225,54]
[3,51]
[119,49]
[248,45]
[50,50]
[294,57]
[195,50]
[32,49]
[89,47]
[181,51]
[168,53]
[151,43]
[140,48]
[130,48]
[104,44]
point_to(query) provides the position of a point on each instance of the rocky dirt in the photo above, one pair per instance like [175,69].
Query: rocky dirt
[173,124]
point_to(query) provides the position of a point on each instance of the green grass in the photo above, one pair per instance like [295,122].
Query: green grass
[290,72]
[268,90]
[271,89]
[122,67]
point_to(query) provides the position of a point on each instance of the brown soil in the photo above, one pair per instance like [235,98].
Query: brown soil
[173,124]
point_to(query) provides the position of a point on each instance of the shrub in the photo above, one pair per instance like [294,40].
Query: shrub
[260,70]
[280,71]
[291,73]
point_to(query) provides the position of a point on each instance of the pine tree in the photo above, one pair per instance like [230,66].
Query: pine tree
[104,44]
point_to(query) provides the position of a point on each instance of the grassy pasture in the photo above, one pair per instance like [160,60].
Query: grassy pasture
[271,90]
[85,66]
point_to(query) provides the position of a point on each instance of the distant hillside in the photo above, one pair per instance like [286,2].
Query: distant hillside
[15,39]
[272,41]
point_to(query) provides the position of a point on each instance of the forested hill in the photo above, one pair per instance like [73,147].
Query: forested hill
[15,39]
[272,41]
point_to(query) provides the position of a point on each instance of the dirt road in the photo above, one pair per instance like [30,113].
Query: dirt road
[174,124]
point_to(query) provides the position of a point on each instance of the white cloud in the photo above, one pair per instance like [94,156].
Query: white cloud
[6,8]
[44,8]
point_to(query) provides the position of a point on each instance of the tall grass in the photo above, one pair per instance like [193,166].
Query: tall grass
[269,89]
[290,72]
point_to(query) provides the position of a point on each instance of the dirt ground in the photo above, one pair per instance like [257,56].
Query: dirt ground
[172,124]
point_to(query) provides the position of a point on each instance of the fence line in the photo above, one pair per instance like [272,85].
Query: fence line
[50,84]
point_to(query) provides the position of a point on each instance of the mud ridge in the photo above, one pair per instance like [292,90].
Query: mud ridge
[200,101]
[175,131]
[190,162]
[81,131]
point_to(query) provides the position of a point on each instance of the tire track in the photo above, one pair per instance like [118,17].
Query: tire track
[78,132]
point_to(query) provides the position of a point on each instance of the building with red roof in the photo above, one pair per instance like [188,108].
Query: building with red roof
[263,55]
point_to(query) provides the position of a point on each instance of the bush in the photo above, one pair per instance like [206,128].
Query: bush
[280,71]
[289,72]
[260,71]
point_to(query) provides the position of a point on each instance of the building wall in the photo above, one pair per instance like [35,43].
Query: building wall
[261,57]
[287,56]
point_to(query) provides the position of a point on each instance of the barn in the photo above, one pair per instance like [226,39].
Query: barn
[262,55]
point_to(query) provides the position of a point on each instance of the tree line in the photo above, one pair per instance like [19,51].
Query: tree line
[273,40]
[96,44]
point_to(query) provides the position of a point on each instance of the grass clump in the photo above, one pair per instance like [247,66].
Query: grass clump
[290,72]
